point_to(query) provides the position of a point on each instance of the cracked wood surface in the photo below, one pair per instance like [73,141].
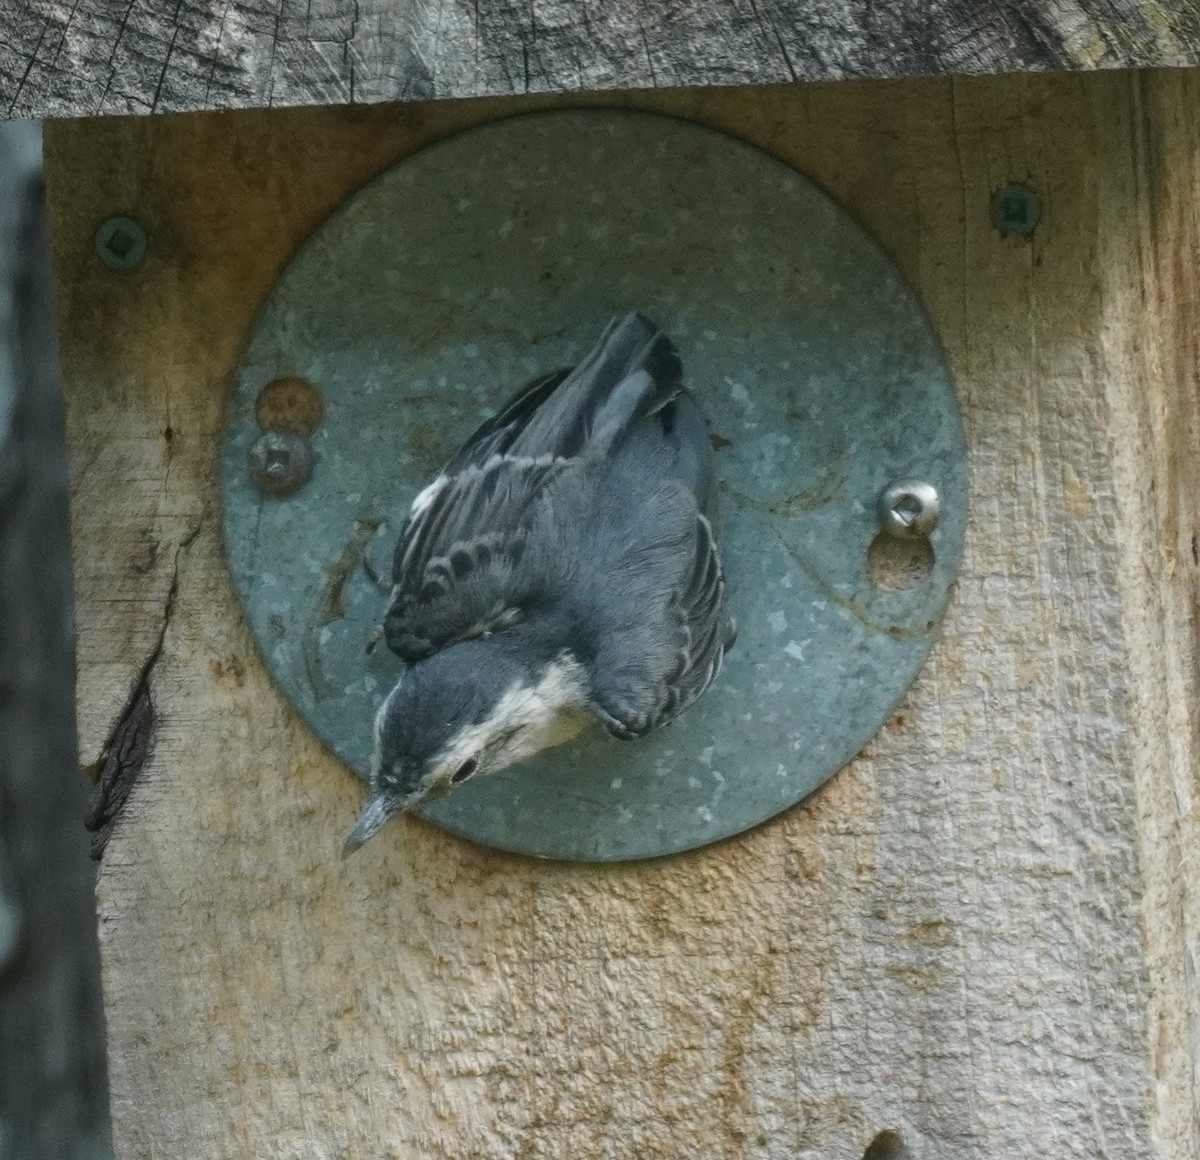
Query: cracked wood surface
[66,58]
[981,935]
[124,753]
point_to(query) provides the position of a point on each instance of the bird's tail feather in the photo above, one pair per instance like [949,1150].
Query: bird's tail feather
[632,371]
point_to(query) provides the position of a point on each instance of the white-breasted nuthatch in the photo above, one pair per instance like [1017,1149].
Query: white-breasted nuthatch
[562,568]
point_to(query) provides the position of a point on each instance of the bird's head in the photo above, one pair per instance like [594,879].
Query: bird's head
[459,715]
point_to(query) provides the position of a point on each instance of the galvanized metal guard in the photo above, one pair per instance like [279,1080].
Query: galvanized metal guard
[498,254]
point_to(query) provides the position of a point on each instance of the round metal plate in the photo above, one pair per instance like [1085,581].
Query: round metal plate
[498,254]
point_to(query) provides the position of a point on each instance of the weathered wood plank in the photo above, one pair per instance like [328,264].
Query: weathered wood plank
[981,934]
[61,58]
[1156,404]
[53,1099]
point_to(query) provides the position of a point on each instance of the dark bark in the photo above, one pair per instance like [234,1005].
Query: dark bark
[52,1076]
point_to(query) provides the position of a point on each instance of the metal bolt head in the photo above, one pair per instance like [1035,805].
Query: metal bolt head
[1016,209]
[909,508]
[120,243]
[280,463]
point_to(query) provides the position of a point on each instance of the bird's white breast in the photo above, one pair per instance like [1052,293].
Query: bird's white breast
[548,713]
[537,716]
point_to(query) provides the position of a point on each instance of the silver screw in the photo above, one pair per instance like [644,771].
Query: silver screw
[910,508]
[280,463]
[120,243]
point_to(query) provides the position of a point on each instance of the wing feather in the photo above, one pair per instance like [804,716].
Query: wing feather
[633,699]
[474,528]
[458,566]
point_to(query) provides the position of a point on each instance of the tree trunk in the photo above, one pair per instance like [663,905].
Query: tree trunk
[52,1075]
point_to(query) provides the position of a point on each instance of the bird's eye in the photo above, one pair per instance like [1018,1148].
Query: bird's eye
[464,771]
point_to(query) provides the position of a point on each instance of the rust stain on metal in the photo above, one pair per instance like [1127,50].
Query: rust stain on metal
[289,404]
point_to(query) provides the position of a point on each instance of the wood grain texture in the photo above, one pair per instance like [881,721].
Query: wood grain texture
[982,934]
[61,58]
[52,1075]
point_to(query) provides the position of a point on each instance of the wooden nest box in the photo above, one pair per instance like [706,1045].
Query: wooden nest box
[980,939]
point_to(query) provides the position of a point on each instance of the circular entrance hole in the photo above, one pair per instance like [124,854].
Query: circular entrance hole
[897,564]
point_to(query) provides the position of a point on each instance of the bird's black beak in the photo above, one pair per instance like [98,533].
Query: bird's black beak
[378,810]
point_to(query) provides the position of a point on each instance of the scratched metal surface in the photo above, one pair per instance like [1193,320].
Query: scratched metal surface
[498,254]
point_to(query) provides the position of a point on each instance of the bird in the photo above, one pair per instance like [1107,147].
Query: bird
[562,569]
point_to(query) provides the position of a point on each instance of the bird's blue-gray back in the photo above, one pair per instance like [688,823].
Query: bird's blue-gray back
[461,568]
[586,500]
[657,607]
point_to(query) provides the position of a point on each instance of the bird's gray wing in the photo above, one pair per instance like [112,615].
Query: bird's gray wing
[663,653]
[457,569]
[461,566]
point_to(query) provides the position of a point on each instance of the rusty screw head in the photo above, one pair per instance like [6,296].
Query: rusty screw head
[289,404]
[280,463]
[120,243]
